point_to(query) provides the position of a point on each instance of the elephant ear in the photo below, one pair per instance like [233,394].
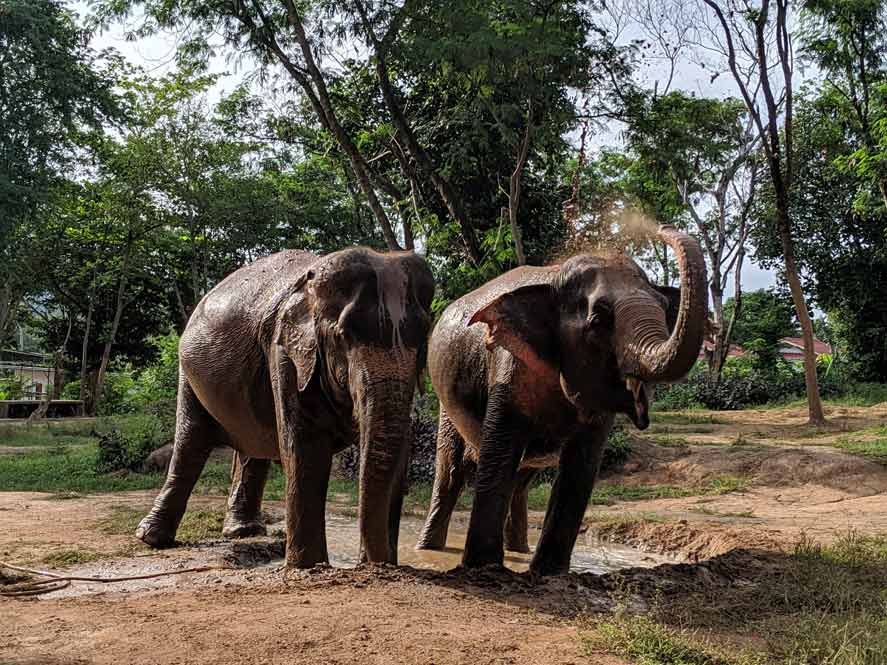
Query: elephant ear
[297,333]
[522,322]
[673,296]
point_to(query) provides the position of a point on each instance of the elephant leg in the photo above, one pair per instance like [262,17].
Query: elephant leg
[307,459]
[502,446]
[578,467]
[244,516]
[197,433]
[516,524]
[397,496]
[449,477]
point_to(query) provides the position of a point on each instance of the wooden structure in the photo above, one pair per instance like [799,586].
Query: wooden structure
[58,408]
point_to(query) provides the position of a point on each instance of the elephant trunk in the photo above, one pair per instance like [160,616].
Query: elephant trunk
[649,352]
[383,412]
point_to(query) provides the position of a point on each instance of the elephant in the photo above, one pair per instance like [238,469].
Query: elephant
[293,358]
[530,370]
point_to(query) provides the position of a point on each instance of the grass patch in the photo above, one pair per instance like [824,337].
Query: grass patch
[197,525]
[69,557]
[875,450]
[47,434]
[66,469]
[818,605]
[667,438]
[704,510]
[648,642]
[685,418]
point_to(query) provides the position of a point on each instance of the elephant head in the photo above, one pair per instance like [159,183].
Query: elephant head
[356,327]
[603,331]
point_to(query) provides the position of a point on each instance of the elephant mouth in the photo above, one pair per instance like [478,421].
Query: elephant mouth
[640,414]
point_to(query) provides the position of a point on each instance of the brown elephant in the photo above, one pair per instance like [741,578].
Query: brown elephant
[562,349]
[295,357]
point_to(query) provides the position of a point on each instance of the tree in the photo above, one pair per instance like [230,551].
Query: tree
[846,249]
[767,316]
[51,92]
[847,41]
[765,43]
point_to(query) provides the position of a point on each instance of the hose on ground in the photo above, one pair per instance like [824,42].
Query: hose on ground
[56,582]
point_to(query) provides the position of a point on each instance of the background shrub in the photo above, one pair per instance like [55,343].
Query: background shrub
[126,441]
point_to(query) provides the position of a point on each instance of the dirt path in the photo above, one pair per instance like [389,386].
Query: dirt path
[343,617]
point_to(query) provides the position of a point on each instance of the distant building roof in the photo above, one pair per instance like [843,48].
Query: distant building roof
[819,347]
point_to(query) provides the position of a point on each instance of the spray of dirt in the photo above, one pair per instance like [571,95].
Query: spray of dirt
[612,232]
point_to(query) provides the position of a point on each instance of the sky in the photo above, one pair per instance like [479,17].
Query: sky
[156,55]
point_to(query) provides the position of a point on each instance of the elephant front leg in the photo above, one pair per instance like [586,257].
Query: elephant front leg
[502,446]
[196,435]
[449,477]
[516,525]
[244,516]
[307,460]
[578,467]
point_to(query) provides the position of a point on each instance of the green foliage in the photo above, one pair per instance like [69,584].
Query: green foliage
[125,442]
[767,316]
[11,387]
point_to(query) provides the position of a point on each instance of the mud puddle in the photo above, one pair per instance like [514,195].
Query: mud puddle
[238,562]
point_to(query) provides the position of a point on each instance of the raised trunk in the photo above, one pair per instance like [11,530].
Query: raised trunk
[649,353]
[383,409]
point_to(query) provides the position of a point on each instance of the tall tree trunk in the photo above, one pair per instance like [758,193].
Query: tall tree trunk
[814,402]
[514,192]
[115,324]
[85,346]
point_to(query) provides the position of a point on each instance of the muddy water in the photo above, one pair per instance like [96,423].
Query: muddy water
[343,543]
[588,557]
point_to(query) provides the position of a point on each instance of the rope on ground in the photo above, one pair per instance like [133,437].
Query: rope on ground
[55,582]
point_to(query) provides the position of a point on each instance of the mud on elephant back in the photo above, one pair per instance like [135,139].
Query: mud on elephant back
[296,357]
[531,369]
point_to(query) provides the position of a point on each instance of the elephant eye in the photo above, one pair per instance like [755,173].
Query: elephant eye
[601,314]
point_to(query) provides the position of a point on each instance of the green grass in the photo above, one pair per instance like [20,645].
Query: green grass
[605,495]
[874,450]
[197,525]
[69,557]
[66,469]
[648,642]
[685,418]
[818,605]
[47,434]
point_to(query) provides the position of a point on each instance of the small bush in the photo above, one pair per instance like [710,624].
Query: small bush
[125,443]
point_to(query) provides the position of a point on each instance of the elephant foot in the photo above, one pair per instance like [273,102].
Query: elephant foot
[522,547]
[154,533]
[549,568]
[430,544]
[237,528]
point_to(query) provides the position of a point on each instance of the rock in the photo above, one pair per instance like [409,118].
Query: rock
[158,461]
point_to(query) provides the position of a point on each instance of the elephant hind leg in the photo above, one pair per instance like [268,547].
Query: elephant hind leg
[197,433]
[516,524]
[244,515]
[449,477]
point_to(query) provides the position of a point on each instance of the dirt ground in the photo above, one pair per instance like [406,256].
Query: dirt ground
[795,485]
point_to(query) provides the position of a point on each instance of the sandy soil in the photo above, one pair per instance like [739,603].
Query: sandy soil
[797,486]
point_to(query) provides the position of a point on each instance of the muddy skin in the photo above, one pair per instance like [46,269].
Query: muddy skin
[530,370]
[295,357]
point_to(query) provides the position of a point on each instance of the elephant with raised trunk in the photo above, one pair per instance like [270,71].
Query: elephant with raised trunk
[295,357]
[530,370]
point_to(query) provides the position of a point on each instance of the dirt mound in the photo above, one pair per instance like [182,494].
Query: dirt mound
[650,463]
[691,542]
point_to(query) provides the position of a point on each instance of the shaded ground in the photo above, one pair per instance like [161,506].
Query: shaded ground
[781,531]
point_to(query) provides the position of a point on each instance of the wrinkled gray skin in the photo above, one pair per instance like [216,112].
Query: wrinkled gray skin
[530,370]
[295,357]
